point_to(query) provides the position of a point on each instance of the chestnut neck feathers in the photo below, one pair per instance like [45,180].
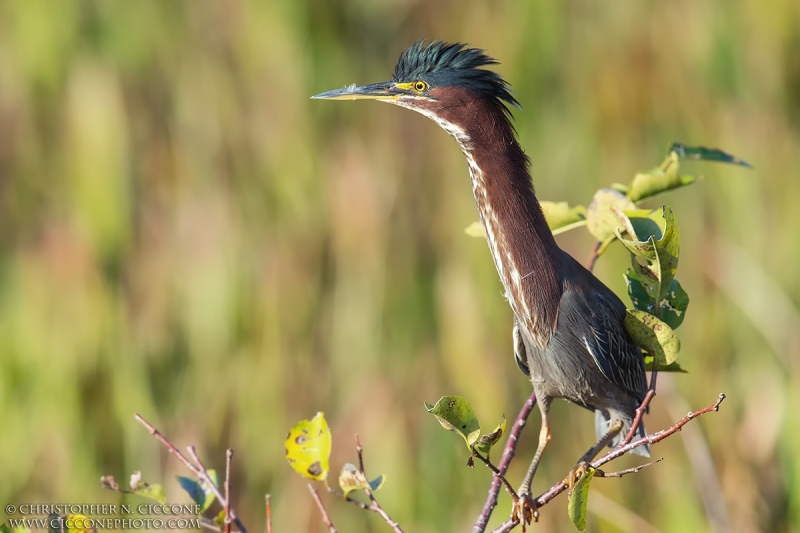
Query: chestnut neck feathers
[522,245]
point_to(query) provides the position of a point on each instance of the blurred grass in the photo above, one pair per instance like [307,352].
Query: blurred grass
[184,234]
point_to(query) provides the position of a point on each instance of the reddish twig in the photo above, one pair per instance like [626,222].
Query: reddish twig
[175,451]
[555,490]
[269,513]
[622,449]
[620,473]
[642,409]
[506,526]
[321,507]
[228,457]
[199,470]
[508,454]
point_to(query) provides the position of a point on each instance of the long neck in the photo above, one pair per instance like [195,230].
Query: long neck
[521,244]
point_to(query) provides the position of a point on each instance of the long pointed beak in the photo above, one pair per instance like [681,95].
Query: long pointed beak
[385,91]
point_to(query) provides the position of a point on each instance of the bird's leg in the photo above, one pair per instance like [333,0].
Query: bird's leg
[591,453]
[524,509]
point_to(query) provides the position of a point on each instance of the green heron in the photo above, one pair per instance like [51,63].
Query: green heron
[568,326]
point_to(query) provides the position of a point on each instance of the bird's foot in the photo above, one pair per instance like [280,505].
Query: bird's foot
[575,474]
[524,510]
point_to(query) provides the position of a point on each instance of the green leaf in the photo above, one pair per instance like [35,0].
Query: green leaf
[658,180]
[154,492]
[672,367]
[142,488]
[561,217]
[638,294]
[652,335]
[210,496]
[601,220]
[706,154]
[578,498]
[642,223]
[485,442]
[655,256]
[455,413]
[308,447]
[199,491]
[620,188]
[5,528]
[475,230]
[193,488]
[672,306]
[351,478]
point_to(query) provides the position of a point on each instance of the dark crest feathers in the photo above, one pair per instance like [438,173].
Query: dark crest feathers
[442,64]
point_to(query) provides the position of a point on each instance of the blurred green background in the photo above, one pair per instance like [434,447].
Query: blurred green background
[184,234]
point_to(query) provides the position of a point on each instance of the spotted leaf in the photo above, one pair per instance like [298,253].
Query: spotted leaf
[456,414]
[308,447]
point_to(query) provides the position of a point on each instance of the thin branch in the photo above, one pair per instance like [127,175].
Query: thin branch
[594,255]
[506,526]
[558,488]
[508,454]
[622,449]
[228,456]
[375,505]
[269,513]
[620,473]
[175,451]
[488,463]
[321,507]
[642,409]
[210,482]
[199,470]
[637,420]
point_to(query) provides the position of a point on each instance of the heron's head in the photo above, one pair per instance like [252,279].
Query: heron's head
[443,81]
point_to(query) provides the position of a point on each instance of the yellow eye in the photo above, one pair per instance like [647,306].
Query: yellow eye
[420,86]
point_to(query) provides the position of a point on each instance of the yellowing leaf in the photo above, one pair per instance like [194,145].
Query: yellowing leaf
[658,180]
[484,444]
[561,217]
[351,478]
[653,335]
[78,523]
[308,447]
[142,488]
[601,221]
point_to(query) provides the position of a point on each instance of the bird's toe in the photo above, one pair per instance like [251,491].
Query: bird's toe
[524,510]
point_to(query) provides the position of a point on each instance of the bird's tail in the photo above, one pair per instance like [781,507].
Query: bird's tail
[602,422]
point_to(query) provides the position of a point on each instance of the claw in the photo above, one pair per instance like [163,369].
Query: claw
[524,510]
[574,475]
